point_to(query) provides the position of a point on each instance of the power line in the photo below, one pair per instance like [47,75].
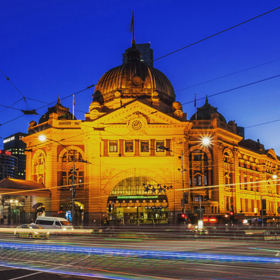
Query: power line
[262,123]
[233,73]
[70,95]
[232,89]
[211,36]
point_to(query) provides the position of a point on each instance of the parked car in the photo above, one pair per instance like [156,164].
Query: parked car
[31,231]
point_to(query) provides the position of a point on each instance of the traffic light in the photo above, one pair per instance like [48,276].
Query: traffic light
[110,208]
[182,217]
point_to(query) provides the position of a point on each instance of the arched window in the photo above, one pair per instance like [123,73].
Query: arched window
[137,186]
[39,168]
[66,174]
[199,173]
[69,155]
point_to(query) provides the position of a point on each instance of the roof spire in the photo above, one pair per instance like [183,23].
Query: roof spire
[132,29]
[132,53]
[206,101]
[58,100]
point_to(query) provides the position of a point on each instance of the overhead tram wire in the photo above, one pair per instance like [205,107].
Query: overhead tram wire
[232,89]
[233,73]
[9,80]
[255,125]
[218,33]
[49,104]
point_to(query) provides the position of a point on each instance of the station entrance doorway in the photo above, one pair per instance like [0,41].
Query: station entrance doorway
[137,200]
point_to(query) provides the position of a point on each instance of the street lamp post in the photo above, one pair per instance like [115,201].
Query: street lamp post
[183,182]
[73,191]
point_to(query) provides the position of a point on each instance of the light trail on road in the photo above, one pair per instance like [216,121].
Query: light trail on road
[112,262]
[139,253]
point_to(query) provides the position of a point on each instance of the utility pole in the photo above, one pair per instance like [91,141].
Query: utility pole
[262,210]
[183,182]
[73,190]
[183,200]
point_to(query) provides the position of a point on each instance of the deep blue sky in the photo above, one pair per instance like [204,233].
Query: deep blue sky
[58,47]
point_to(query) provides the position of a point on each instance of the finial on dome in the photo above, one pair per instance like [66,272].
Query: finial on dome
[206,101]
[132,53]
[132,29]
[58,100]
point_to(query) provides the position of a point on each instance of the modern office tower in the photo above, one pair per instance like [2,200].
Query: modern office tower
[16,146]
[8,165]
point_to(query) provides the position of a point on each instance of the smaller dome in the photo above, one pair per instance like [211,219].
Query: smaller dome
[205,112]
[61,111]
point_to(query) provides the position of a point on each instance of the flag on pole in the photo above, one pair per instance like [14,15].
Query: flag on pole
[73,106]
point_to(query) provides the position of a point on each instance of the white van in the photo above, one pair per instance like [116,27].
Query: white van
[54,222]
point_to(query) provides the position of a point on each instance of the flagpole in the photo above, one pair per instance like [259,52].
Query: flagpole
[73,106]
[132,27]
[195,107]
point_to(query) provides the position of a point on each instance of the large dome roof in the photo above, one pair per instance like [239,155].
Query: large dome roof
[134,79]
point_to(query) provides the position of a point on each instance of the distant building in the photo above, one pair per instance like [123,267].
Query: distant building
[8,165]
[147,54]
[16,146]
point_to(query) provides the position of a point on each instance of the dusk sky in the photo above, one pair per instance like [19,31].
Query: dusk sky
[60,47]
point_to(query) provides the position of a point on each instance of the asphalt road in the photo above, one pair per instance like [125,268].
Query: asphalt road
[137,258]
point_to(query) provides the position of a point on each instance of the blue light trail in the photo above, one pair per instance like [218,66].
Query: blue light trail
[139,253]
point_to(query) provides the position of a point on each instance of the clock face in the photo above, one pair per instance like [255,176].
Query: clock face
[136,125]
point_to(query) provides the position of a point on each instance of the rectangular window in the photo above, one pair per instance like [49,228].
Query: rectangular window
[64,179]
[197,157]
[129,146]
[144,146]
[160,146]
[113,146]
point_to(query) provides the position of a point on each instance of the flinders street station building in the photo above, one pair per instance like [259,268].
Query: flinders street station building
[135,158]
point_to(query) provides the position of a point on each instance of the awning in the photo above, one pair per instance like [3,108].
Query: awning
[9,186]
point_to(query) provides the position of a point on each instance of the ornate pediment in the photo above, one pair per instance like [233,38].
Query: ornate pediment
[139,110]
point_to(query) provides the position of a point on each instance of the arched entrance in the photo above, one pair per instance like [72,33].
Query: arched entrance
[137,200]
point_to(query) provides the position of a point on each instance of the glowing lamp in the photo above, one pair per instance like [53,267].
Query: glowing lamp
[206,141]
